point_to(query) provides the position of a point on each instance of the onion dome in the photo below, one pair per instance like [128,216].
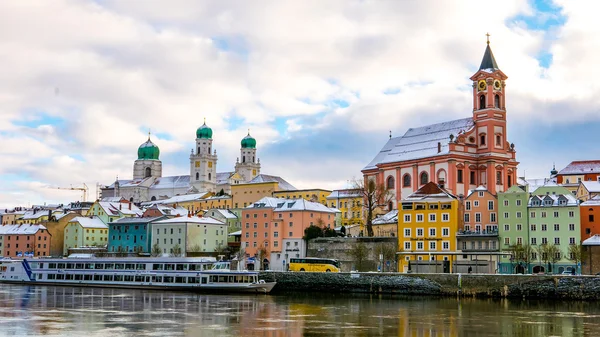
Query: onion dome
[248,142]
[554,171]
[148,150]
[204,132]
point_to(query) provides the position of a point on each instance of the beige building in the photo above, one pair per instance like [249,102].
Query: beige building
[191,234]
[314,195]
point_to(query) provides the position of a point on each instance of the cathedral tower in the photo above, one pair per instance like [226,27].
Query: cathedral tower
[248,166]
[147,165]
[203,163]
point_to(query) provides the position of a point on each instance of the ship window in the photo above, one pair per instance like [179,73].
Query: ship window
[99,266]
[97,277]
[109,266]
[60,276]
[87,277]
[107,277]
[157,266]
[179,279]
[118,278]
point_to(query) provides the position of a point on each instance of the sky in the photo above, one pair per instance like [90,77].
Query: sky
[319,84]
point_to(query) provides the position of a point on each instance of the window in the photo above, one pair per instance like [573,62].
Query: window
[431,231]
[406,232]
[506,216]
[481,102]
[390,183]
[505,203]
[431,217]
[571,226]
[544,227]
[406,180]
[478,217]
[459,176]
[419,217]
[476,203]
[492,217]
[519,227]
[534,241]
[490,205]
[519,215]
[482,138]
[419,231]
[406,217]
[544,241]
[533,227]
[432,245]
[406,245]
[424,178]
[445,245]
[556,227]
[472,178]
[532,214]
[572,214]
[507,241]
[446,231]
[419,245]
[445,217]
[468,206]
[590,217]
[571,241]
[543,214]
[557,241]
[506,227]
[519,241]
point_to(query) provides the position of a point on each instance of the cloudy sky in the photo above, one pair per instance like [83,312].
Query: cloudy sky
[319,83]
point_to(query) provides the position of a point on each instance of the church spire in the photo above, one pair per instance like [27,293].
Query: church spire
[488,62]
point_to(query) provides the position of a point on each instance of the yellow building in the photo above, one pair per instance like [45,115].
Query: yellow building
[428,220]
[314,195]
[261,186]
[350,203]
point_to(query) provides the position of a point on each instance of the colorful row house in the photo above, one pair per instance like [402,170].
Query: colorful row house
[131,235]
[428,221]
[111,211]
[189,236]
[85,232]
[275,228]
[25,240]
[350,204]
[537,228]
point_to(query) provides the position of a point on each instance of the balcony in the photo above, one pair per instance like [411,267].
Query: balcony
[482,233]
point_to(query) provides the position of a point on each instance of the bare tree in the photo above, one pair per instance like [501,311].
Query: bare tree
[375,196]
[176,251]
[388,250]
[359,253]
[195,248]
[576,254]
[554,254]
[261,255]
[156,250]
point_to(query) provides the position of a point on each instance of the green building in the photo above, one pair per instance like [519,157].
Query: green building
[536,229]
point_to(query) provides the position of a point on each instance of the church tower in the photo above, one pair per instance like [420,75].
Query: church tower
[489,117]
[249,166]
[203,163]
[147,165]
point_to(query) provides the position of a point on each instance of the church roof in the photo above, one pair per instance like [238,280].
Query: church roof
[488,63]
[222,177]
[171,182]
[420,142]
[263,178]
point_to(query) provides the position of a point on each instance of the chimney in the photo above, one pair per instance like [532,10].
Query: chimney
[130,206]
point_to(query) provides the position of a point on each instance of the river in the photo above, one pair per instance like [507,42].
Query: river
[87,312]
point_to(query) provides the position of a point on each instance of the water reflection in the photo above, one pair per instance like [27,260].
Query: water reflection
[62,311]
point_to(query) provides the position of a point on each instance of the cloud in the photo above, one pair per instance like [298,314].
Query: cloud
[319,84]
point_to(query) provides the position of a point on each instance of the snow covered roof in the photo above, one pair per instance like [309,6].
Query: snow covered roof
[595,201]
[137,220]
[24,229]
[430,192]
[556,199]
[178,198]
[389,217]
[115,208]
[113,199]
[420,142]
[348,193]
[222,177]
[89,222]
[263,178]
[591,186]
[32,215]
[238,233]
[281,205]
[191,219]
[171,182]
[592,241]
[227,214]
[581,167]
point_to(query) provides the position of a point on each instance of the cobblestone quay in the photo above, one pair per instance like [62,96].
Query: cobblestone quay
[467,285]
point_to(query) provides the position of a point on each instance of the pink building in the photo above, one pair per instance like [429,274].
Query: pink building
[24,240]
[460,154]
[278,225]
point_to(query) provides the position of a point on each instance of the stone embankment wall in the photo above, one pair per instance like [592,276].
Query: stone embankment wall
[512,286]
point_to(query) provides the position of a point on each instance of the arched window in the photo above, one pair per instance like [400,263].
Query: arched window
[406,180]
[424,178]
[153,198]
[197,176]
[253,159]
[148,172]
[497,101]
[390,183]
[243,159]
[482,102]
[131,199]
[209,176]
[209,150]
[390,206]
[198,150]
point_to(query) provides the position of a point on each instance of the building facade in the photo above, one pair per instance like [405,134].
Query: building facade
[459,155]
[590,218]
[192,235]
[314,195]
[85,232]
[131,235]
[428,221]
[26,240]
[350,204]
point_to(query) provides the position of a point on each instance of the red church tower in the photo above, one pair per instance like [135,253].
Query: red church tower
[459,155]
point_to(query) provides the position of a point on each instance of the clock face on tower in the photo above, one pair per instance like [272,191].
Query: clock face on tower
[497,85]
[481,85]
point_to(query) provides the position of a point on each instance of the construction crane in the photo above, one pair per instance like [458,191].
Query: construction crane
[84,189]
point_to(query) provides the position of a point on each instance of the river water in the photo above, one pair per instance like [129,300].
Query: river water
[87,312]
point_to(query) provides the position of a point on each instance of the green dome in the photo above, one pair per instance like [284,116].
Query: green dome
[204,132]
[248,142]
[148,151]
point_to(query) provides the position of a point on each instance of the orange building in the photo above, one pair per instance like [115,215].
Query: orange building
[458,155]
[481,211]
[278,225]
[590,218]
[24,240]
